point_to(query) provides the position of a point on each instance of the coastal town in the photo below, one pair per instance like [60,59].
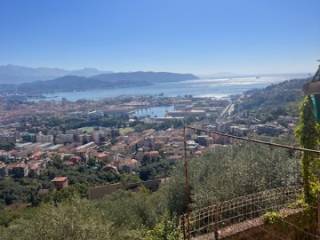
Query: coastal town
[118,135]
[159,120]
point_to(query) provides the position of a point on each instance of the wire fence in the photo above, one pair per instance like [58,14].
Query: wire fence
[277,191]
[226,213]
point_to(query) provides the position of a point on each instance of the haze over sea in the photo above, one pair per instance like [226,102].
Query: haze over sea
[206,87]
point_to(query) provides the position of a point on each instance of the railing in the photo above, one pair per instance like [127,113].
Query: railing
[212,218]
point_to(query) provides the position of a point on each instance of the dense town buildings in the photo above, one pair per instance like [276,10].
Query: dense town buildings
[110,132]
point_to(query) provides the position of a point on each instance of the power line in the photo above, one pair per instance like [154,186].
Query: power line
[256,140]
[292,148]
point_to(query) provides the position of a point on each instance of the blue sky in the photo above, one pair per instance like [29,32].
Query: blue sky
[198,36]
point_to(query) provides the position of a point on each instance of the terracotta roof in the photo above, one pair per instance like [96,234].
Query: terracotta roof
[17,165]
[129,162]
[59,179]
[34,165]
[101,155]
[152,154]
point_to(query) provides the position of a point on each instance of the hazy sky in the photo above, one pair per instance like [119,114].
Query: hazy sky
[199,36]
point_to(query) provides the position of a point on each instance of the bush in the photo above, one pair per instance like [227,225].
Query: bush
[271,217]
[164,230]
[74,220]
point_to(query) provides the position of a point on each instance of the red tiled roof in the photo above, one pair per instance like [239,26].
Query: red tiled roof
[59,179]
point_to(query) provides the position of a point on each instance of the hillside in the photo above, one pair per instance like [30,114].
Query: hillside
[110,80]
[275,100]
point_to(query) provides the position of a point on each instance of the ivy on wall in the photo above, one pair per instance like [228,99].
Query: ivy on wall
[308,135]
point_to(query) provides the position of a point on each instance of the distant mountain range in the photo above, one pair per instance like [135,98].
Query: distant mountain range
[70,83]
[242,75]
[13,74]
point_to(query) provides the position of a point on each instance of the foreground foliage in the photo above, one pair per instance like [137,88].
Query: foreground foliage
[223,173]
[122,216]
[308,134]
[69,220]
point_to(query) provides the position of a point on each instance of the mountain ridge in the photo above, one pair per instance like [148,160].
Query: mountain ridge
[14,74]
[101,81]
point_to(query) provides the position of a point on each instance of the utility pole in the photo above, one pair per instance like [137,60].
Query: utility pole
[187,186]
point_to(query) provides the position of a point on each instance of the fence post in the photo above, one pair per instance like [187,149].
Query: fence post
[318,215]
[183,227]
[216,235]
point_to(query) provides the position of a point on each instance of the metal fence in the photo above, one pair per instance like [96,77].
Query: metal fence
[223,214]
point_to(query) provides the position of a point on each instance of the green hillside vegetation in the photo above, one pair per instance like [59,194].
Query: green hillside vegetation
[275,100]
[221,174]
